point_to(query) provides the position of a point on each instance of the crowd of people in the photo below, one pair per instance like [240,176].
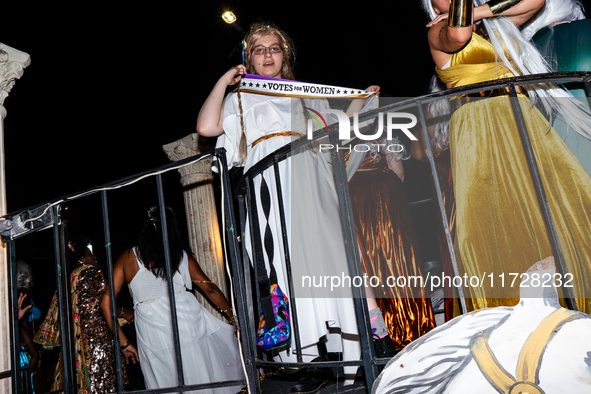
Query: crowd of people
[490,203]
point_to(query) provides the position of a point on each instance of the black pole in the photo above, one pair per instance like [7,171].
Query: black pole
[169,276]
[13,302]
[353,258]
[231,232]
[540,192]
[296,327]
[110,266]
[450,244]
[64,307]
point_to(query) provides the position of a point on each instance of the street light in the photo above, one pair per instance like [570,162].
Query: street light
[230,18]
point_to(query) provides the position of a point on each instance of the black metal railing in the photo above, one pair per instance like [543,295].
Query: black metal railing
[48,215]
[246,197]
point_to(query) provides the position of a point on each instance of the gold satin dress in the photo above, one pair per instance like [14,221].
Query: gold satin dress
[499,225]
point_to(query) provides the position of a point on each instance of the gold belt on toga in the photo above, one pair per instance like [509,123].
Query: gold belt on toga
[280,134]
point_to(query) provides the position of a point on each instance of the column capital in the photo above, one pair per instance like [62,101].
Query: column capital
[12,65]
[187,147]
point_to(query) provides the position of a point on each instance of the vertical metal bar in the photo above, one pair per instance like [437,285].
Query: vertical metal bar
[114,320]
[251,328]
[353,258]
[450,244]
[169,276]
[540,192]
[238,287]
[13,302]
[64,309]
[255,235]
[296,327]
[27,384]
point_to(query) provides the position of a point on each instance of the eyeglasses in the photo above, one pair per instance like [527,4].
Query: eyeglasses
[262,50]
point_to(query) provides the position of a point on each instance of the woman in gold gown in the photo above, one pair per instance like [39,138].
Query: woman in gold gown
[499,225]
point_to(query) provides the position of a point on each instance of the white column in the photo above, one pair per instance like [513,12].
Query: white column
[12,64]
[200,208]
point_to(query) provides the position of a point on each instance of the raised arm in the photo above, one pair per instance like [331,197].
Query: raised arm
[450,31]
[210,118]
[520,11]
[126,259]
[21,310]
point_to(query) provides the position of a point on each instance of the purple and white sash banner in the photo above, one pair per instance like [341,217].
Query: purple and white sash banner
[257,84]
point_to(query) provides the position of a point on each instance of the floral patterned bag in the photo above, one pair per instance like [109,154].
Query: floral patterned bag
[276,335]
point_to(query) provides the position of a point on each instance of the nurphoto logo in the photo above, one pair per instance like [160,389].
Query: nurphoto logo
[345,129]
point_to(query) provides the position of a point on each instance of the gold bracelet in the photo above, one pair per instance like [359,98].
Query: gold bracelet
[202,281]
[460,13]
[231,320]
[499,6]
[225,310]
[125,345]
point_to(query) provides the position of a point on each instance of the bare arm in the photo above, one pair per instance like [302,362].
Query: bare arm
[396,166]
[445,40]
[519,13]
[126,258]
[21,310]
[210,118]
[211,291]
[417,148]
[26,336]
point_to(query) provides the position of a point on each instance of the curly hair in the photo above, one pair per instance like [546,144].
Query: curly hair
[258,30]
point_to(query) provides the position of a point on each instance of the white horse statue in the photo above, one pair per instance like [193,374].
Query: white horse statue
[535,347]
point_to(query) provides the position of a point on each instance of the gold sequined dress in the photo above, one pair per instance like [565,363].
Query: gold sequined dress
[94,357]
[499,226]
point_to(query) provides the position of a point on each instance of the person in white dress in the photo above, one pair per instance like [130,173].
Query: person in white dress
[209,348]
[252,125]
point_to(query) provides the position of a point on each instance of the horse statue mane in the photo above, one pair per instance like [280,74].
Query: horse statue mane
[535,347]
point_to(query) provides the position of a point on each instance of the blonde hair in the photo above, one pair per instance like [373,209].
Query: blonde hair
[258,30]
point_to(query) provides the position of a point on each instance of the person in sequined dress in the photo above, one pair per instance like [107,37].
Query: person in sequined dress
[94,356]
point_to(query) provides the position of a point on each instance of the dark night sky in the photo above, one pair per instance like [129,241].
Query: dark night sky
[109,85]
